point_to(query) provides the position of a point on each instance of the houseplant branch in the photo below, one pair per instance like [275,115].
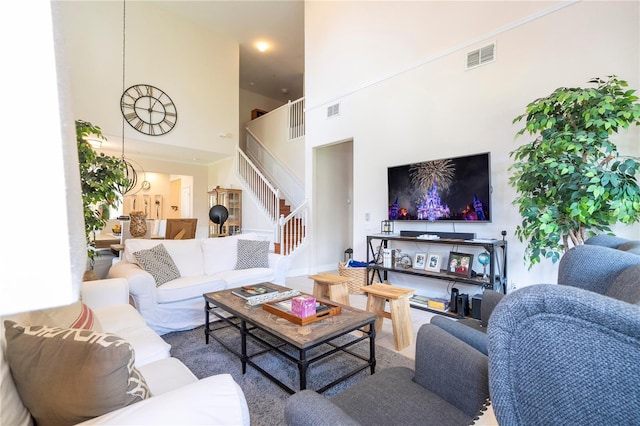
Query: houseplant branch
[100,178]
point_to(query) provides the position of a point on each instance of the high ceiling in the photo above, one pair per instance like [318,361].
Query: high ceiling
[276,73]
[279,23]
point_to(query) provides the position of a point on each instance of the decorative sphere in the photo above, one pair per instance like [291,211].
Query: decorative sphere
[484,258]
[218,214]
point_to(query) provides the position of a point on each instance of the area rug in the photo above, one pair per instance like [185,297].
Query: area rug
[265,398]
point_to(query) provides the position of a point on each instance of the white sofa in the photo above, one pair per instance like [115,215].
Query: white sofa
[177,396]
[205,265]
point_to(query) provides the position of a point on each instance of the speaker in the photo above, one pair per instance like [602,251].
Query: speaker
[445,235]
[462,305]
[454,300]
[476,306]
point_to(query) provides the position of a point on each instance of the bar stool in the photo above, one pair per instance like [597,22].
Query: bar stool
[332,287]
[399,310]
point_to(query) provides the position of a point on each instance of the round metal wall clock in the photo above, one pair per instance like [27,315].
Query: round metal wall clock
[148,109]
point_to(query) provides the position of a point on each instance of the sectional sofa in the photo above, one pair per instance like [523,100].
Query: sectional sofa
[97,381]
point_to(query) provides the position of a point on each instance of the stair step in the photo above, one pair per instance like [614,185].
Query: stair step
[285,209]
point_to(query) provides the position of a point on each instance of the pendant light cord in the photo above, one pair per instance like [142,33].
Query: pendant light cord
[131,174]
[124,46]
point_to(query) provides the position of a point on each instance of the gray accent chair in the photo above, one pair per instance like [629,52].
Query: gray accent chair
[624,244]
[448,387]
[562,355]
[605,264]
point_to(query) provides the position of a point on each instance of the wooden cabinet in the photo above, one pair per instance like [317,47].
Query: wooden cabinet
[232,200]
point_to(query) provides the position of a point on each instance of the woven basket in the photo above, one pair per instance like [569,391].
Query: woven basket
[358,277]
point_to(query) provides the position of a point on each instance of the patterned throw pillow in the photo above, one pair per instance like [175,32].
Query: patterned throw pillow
[93,373]
[252,254]
[158,262]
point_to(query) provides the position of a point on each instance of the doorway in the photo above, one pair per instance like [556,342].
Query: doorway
[333,206]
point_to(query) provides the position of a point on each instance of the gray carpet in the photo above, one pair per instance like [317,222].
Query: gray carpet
[265,398]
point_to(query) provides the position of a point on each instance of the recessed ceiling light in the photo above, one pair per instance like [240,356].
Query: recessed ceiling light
[262,46]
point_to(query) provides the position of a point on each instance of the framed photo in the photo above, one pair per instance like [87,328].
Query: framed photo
[433,262]
[420,260]
[460,264]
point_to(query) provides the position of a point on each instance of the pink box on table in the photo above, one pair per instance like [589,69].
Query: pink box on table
[303,306]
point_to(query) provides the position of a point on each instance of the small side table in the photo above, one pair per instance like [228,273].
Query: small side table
[332,287]
[399,310]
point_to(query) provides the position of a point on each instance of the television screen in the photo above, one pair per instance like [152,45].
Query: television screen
[451,189]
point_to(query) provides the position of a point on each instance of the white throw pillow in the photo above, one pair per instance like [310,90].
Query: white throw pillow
[187,254]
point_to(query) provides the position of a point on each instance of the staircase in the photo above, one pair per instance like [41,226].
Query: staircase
[269,182]
[289,226]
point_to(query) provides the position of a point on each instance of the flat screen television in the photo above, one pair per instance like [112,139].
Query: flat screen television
[449,189]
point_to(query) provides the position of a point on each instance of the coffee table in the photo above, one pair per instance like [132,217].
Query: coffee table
[258,324]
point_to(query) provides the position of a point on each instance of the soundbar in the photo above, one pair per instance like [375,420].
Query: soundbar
[446,235]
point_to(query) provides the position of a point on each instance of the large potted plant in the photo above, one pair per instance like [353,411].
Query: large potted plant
[571,181]
[101,178]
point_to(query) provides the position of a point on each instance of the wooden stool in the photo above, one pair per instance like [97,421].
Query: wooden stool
[332,287]
[400,311]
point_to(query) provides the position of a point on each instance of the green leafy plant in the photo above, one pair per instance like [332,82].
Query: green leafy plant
[101,176]
[570,180]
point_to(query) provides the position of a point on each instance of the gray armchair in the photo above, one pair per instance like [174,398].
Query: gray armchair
[448,387]
[562,355]
[605,264]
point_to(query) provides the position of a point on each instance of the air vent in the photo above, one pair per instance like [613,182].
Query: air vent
[333,110]
[481,56]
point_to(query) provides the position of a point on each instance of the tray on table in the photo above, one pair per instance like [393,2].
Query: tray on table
[328,310]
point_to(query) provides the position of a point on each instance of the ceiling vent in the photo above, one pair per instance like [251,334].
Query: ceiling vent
[481,56]
[333,110]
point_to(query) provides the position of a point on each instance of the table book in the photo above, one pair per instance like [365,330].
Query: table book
[253,291]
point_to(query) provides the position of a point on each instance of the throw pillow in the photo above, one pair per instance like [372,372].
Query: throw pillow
[252,254]
[76,315]
[92,373]
[158,262]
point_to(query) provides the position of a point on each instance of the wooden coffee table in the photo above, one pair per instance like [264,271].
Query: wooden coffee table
[254,322]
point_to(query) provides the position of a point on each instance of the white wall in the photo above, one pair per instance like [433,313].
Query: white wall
[405,96]
[273,132]
[250,101]
[198,69]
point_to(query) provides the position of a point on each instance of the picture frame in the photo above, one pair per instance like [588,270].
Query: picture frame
[433,262]
[460,264]
[419,260]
